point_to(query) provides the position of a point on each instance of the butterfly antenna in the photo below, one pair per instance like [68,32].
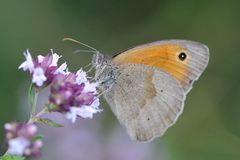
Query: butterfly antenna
[78,42]
[102,92]
[83,50]
[89,64]
[90,69]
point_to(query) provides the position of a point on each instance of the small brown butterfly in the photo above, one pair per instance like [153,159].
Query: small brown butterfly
[146,86]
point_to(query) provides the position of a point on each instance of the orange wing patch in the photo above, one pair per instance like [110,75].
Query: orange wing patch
[164,56]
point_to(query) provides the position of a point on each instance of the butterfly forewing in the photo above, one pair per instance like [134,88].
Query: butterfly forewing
[166,55]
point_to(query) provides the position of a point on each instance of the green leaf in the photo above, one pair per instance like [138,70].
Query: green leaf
[50,107]
[37,137]
[11,157]
[48,122]
[31,95]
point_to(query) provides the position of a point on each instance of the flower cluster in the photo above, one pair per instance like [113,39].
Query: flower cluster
[22,139]
[43,68]
[74,95]
[71,93]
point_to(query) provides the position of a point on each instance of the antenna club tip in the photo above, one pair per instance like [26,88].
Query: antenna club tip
[66,39]
[78,42]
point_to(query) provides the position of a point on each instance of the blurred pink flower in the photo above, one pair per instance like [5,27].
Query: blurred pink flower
[20,138]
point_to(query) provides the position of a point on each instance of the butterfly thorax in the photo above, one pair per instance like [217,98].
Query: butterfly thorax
[106,72]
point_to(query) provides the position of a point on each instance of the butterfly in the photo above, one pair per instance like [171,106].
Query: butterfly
[146,86]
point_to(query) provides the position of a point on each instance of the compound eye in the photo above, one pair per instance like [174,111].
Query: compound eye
[182,56]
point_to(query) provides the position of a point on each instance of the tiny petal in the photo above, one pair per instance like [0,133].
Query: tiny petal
[81,76]
[86,112]
[8,126]
[71,78]
[17,146]
[62,69]
[38,143]
[28,64]
[85,98]
[55,59]
[40,58]
[72,114]
[35,148]
[24,66]
[90,87]
[32,129]
[83,111]
[95,104]
[38,76]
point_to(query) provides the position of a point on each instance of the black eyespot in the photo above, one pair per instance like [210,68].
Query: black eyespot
[182,56]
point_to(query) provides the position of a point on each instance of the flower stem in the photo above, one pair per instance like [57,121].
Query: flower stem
[34,105]
[37,115]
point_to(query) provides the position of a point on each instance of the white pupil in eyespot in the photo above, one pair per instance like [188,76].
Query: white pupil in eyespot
[182,56]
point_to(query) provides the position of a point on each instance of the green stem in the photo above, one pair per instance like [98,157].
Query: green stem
[34,105]
[38,115]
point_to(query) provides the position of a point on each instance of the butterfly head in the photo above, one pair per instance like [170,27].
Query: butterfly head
[105,72]
[97,60]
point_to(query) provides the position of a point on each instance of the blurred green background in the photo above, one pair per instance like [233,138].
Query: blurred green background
[209,128]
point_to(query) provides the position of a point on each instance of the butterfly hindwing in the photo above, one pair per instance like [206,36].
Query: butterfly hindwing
[146,105]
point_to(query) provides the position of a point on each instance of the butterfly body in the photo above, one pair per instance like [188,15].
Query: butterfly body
[146,86]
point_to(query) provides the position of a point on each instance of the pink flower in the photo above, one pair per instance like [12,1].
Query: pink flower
[71,93]
[74,95]
[28,64]
[43,69]
[38,76]
[84,111]
[21,140]
[81,76]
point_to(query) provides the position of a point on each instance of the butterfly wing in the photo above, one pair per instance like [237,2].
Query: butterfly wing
[146,100]
[166,55]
